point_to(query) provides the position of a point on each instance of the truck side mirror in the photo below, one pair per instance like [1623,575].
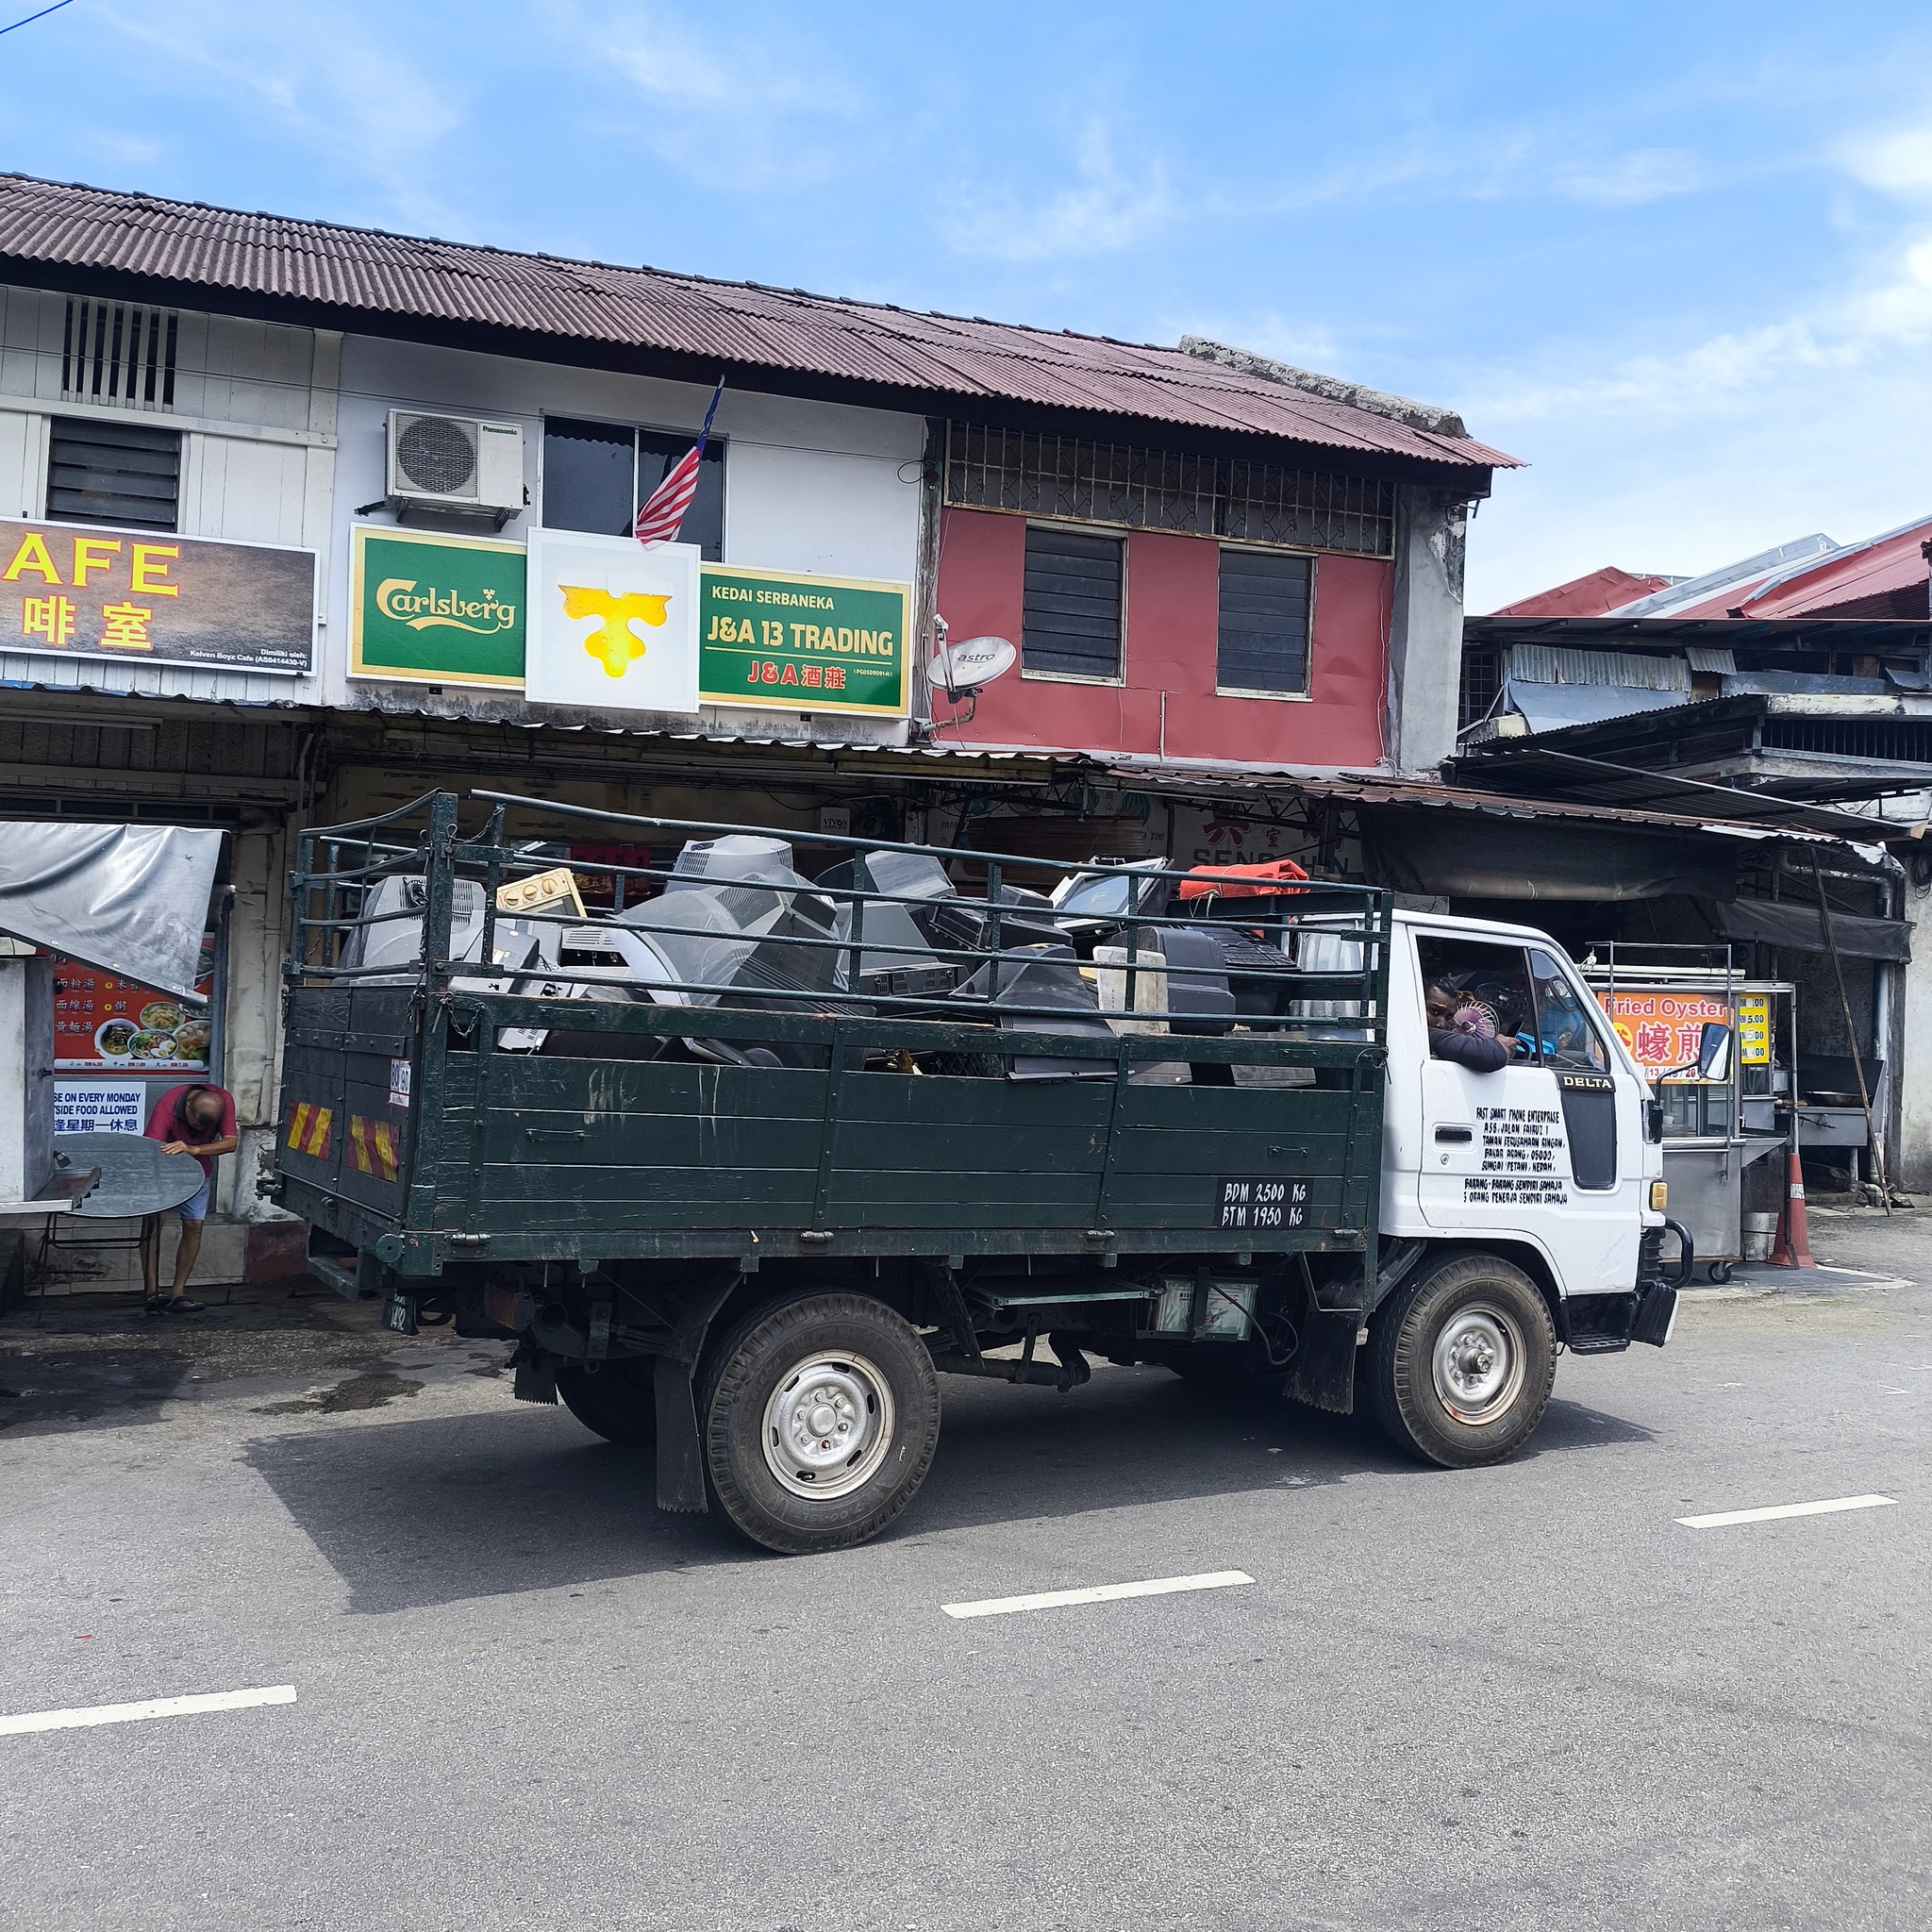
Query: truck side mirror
[1714,1050]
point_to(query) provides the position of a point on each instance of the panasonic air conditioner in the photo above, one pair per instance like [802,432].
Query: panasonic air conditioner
[456,466]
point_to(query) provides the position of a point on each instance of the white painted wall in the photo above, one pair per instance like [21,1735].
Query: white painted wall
[816,487]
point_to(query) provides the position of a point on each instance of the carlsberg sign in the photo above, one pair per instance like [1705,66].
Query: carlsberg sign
[441,609]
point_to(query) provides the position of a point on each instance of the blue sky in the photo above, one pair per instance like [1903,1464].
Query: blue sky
[1677,257]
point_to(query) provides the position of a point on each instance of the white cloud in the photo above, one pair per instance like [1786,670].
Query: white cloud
[323,76]
[1626,181]
[729,110]
[1899,163]
[1817,420]
[1104,211]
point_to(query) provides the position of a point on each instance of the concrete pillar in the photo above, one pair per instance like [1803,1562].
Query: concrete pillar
[1912,1030]
[256,940]
[1426,627]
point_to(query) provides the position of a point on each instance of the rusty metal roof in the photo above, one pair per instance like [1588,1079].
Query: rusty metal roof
[189,252]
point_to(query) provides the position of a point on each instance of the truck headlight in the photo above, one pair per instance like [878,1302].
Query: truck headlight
[1660,1196]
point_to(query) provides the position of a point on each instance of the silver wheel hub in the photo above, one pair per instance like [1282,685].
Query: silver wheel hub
[1478,1362]
[829,1426]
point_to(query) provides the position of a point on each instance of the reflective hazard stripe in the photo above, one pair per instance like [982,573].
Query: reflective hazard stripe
[385,1137]
[373,1145]
[308,1129]
[359,1143]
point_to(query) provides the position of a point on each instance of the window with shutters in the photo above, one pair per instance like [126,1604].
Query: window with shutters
[598,475]
[1262,648]
[1072,622]
[113,473]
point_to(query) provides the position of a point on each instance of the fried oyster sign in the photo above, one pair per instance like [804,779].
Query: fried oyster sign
[153,598]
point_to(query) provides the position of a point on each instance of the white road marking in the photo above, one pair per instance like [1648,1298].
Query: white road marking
[1100,1593]
[154,1707]
[1729,1516]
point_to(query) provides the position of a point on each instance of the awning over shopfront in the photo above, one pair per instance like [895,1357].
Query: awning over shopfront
[1797,926]
[1448,857]
[132,899]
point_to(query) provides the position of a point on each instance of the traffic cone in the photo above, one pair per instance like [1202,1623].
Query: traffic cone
[1793,1245]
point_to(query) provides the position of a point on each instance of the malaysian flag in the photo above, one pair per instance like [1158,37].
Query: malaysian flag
[658,521]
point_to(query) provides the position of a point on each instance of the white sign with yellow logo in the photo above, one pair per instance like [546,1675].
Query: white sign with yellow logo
[612,626]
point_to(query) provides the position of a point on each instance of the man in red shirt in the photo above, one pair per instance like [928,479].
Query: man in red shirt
[198,1120]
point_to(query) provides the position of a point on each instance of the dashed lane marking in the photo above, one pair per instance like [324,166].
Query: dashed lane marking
[1099,1594]
[1725,1517]
[152,1707]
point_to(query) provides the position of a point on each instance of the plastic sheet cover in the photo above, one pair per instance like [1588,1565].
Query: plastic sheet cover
[132,899]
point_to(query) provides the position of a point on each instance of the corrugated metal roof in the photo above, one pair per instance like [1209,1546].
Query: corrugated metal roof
[1555,664]
[1717,592]
[207,252]
[1396,792]
[1857,574]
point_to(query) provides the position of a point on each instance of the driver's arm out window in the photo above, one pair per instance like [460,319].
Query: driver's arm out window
[1490,980]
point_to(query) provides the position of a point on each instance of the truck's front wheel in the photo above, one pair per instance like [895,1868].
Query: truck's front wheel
[1461,1363]
[820,1422]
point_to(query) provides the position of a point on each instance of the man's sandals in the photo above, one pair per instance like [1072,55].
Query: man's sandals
[179,1305]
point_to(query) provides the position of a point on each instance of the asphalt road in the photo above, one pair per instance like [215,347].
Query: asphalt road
[1523,1697]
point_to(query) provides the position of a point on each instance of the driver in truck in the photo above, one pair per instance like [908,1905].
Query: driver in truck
[1458,1032]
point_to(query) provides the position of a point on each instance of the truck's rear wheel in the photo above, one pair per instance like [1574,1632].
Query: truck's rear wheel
[619,1401]
[1461,1363]
[820,1421]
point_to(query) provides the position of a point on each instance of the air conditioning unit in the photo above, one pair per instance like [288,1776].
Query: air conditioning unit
[456,466]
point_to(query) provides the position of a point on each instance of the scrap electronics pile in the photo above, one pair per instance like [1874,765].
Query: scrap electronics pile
[1130,947]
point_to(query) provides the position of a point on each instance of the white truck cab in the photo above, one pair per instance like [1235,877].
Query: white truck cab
[1554,1158]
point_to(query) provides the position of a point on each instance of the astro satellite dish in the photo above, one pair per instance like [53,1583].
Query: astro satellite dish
[972,664]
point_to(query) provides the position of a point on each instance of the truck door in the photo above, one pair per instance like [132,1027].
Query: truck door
[1600,1122]
[1496,1153]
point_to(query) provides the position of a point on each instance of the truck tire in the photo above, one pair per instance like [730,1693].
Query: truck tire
[1461,1363]
[819,1421]
[619,1401]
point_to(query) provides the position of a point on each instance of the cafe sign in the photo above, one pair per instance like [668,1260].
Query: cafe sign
[153,598]
[805,644]
[436,609]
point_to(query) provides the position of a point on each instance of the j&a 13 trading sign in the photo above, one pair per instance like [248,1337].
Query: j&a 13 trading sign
[148,597]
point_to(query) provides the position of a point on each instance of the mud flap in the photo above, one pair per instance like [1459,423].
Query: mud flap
[680,1461]
[1656,1315]
[680,1456]
[1322,1371]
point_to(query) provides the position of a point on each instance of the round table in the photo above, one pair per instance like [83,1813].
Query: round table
[135,1176]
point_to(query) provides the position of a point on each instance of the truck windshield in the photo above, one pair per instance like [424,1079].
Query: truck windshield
[1567,1037]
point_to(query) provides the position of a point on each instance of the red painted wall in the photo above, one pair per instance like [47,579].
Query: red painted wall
[1171,601]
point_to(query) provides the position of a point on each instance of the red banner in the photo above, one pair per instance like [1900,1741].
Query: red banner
[105,1024]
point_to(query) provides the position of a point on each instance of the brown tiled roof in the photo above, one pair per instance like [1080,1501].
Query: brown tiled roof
[199,253]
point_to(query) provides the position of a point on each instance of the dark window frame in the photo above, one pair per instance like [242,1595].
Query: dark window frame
[1306,691]
[675,441]
[1118,540]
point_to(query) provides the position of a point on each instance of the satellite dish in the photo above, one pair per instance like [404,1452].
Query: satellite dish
[972,662]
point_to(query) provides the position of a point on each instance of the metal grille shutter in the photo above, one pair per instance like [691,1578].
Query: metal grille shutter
[113,473]
[1072,603]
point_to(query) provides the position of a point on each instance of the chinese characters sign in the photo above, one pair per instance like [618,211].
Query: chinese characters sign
[807,643]
[443,609]
[106,1024]
[1663,1031]
[147,597]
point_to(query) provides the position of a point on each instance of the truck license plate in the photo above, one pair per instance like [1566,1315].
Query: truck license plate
[399,1314]
[1261,1201]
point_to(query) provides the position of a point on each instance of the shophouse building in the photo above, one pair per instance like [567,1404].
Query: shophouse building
[288,511]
